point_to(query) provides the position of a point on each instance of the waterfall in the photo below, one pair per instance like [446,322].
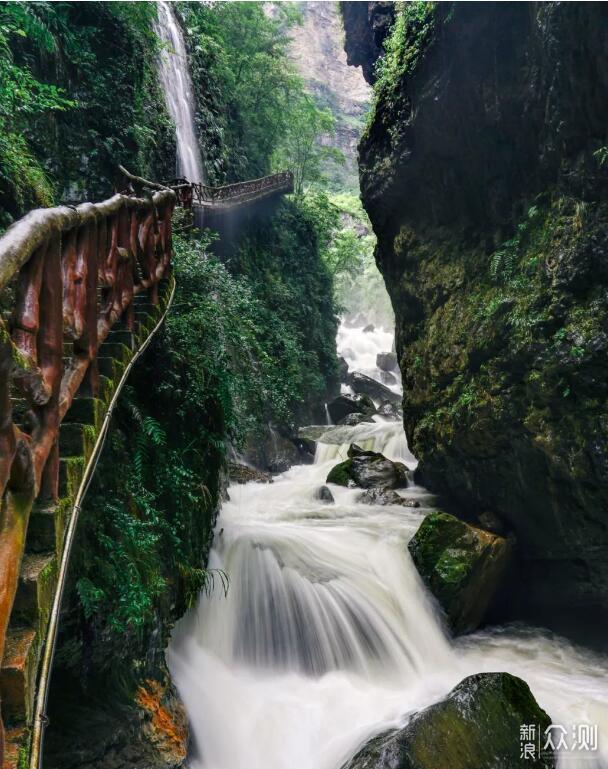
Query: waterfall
[178,92]
[327,634]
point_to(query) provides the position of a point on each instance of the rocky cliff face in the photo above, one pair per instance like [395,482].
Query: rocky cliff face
[366,26]
[318,54]
[484,172]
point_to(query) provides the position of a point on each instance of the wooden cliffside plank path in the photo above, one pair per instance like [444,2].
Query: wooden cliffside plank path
[80,291]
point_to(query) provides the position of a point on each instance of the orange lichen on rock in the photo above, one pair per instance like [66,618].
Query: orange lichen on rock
[167,727]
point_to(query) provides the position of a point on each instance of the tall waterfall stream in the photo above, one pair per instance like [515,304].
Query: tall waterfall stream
[179,94]
[327,635]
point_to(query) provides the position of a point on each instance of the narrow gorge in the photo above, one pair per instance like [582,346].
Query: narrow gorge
[349,509]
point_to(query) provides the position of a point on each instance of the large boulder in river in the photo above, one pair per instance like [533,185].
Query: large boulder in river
[387,361]
[462,565]
[350,404]
[368,469]
[363,384]
[477,726]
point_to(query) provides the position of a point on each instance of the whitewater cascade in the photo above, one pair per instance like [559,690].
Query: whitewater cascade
[178,92]
[327,634]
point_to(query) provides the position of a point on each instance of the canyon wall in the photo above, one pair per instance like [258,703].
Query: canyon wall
[484,171]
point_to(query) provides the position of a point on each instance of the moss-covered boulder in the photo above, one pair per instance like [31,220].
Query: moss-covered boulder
[462,565]
[477,726]
[368,469]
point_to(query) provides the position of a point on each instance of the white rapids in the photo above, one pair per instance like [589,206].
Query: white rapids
[327,635]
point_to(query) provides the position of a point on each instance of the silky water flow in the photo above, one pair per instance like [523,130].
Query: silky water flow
[327,635]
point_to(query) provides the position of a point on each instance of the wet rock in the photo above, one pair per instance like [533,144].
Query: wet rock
[365,384]
[366,26]
[343,369]
[165,724]
[387,361]
[491,522]
[388,378]
[238,473]
[324,494]
[368,469]
[350,404]
[350,420]
[462,565]
[271,451]
[369,328]
[502,415]
[306,448]
[389,411]
[386,497]
[477,726]
[312,432]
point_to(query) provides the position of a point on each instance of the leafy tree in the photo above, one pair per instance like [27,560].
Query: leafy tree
[304,147]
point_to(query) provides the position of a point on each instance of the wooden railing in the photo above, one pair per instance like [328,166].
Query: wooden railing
[67,274]
[189,193]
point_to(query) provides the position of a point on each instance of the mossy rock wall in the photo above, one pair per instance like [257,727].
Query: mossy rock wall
[484,176]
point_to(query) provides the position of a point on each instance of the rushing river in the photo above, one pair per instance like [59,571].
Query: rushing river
[327,634]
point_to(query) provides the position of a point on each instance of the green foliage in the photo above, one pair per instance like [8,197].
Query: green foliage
[301,148]
[244,84]
[347,248]
[404,46]
[504,261]
[78,95]
[253,114]
[259,331]
[601,155]
[23,97]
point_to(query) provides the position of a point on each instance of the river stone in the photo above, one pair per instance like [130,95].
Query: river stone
[366,385]
[462,565]
[368,469]
[350,404]
[369,328]
[350,420]
[386,497]
[238,473]
[387,361]
[477,726]
[324,494]
[389,411]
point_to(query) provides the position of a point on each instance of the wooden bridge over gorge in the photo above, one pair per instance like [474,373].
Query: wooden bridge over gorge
[83,290]
[218,200]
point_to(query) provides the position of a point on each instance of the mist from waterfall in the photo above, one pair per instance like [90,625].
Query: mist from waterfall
[327,634]
[178,92]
